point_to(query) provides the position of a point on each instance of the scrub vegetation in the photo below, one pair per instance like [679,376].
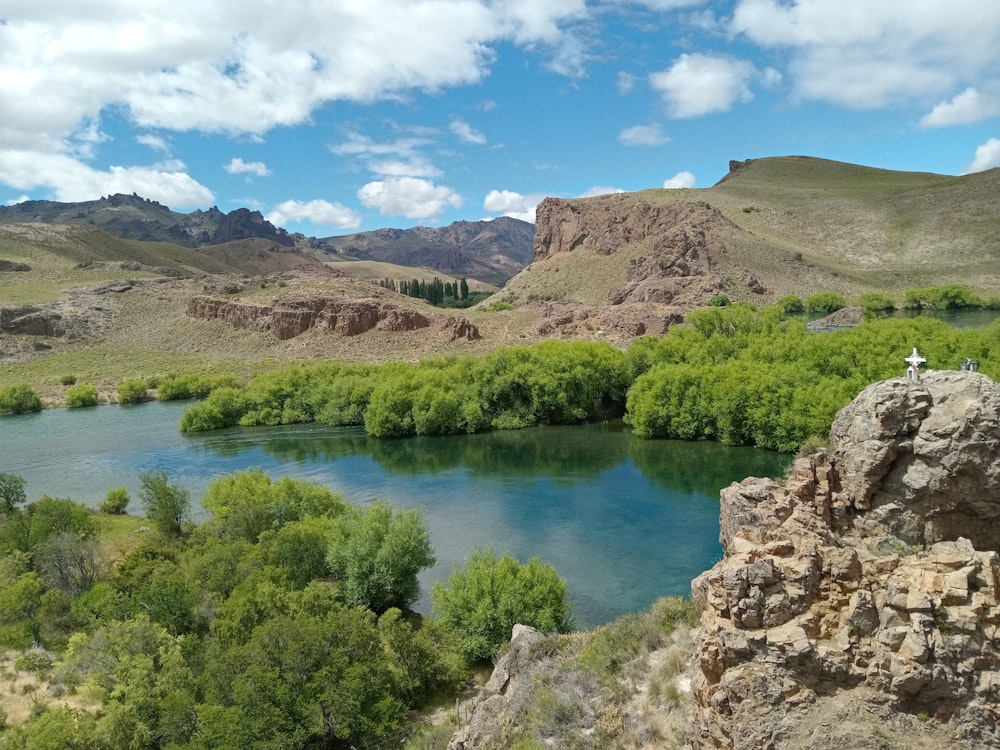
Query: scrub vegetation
[282,622]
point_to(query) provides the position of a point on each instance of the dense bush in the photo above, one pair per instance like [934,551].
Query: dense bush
[81,395]
[791,304]
[177,387]
[115,502]
[486,597]
[167,505]
[132,391]
[876,302]
[19,399]
[945,297]
[824,303]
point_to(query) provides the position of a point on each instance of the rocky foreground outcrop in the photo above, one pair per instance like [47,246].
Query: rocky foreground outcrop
[869,579]
[297,313]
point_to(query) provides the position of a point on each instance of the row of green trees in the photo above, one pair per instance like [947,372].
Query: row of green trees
[281,623]
[736,374]
[434,291]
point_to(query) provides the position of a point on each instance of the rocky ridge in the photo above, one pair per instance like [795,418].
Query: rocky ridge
[295,313]
[872,572]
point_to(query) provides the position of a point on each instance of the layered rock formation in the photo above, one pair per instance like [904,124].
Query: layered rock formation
[667,245]
[870,578]
[295,314]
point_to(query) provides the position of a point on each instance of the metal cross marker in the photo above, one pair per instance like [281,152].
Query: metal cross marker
[915,360]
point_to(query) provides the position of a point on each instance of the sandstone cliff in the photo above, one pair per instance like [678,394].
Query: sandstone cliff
[295,313]
[859,599]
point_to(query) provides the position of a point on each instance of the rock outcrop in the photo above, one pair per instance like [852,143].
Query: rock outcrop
[871,573]
[295,314]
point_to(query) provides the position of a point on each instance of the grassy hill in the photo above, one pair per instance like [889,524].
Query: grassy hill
[802,225]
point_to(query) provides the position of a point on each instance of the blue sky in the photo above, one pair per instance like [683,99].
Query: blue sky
[335,116]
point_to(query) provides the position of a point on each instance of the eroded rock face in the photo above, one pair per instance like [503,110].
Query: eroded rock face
[296,314]
[873,568]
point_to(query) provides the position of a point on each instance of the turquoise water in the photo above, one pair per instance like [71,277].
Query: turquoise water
[624,520]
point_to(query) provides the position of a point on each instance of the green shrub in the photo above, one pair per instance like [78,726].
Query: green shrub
[132,391]
[876,302]
[791,304]
[498,306]
[68,379]
[81,395]
[945,297]
[719,300]
[824,303]
[19,399]
[486,597]
[115,502]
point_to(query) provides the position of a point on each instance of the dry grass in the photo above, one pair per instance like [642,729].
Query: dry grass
[21,691]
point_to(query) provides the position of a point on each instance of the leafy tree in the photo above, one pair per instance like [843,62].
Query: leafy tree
[81,395]
[876,302]
[165,504]
[376,553]
[791,304]
[19,399]
[247,503]
[486,597]
[12,495]
[944,297]
[463,287]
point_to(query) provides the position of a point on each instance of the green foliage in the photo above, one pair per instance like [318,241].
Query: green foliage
[115,502]
[12,495]
[500,306]
[177,387]
[375,554]
[248,503]
[53,729]
[824,303]
[945,297]
[165,505]
[875,302]
[19,399]
[791,304]
[486,597]
[81,395]
[68,379]
[719,300]
[223,408]
[132,391]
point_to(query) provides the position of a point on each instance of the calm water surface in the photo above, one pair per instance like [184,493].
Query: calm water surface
[623,520]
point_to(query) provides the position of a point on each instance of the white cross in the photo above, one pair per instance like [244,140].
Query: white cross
[915,359]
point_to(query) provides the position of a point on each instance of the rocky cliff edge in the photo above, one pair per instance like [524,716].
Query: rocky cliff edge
[857,602]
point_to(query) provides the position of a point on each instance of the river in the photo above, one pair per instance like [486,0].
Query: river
[623,520]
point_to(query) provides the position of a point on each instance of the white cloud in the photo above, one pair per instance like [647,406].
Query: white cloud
[987,157]
[70,180]
[415,167]
[643,135]
[966,107]
[466,132]
[21,199]
[411,197]
[625,82]
[238,166]
[599,190]
[155,142]
[680,180]
[243,68]
[317,211]
[699,84]
[513,204]
[860,53]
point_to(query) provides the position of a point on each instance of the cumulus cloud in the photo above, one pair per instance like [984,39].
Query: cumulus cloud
[872,54]
[238,166]
[699,84]
[513,204]
[411,197]
[987,157]
[71,180]
[243,68]
[317,211]
[643,135]
[966,107]
[154,142]
[680,180]
[466,133]
[415,167]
